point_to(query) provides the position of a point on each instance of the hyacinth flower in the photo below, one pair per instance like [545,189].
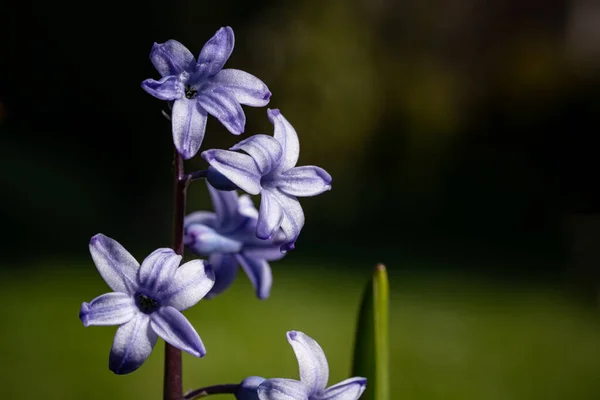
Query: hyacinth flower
[269,169]
[314,374]
[228,237]
[146,303]
[201,87]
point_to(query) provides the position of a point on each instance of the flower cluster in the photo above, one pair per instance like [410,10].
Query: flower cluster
[147,299]
[314,374]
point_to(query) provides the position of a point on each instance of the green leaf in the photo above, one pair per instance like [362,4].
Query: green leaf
[371,349]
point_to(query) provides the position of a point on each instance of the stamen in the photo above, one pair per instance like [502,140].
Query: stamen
[190,91]
[146,304]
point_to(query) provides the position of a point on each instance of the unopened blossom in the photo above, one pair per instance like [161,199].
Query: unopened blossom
[201,87]
[270,169]
[228,238]
[247,389]
[314,374]
[146,303]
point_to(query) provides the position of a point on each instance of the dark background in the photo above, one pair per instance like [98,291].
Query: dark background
[461,136]
[457,128]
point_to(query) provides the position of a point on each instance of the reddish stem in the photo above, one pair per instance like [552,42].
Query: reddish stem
[173,385]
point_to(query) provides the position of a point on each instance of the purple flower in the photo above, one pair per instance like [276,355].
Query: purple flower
[314,374]
[228,237]
[270,169]
[146,301]
[247,389]
[202,86]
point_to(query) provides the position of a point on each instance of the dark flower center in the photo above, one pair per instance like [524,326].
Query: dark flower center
[146,304]
[190,91]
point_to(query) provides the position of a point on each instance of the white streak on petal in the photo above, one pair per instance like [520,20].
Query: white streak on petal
[219,103]
[304,181]
[132,345]
[246,88]
[293,219]
[238,168]
[189,125]
[158,269]
[283,389]
[350,389]
[314,370]
[171,58]
[216,52]
[270,215]
[168,88]
[191,283]
[264,150]
[114,308]
[116,265]
[288,138]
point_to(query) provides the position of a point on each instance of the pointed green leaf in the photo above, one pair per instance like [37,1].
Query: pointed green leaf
[371,350]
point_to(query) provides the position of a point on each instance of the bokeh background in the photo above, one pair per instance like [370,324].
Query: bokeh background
[460,136]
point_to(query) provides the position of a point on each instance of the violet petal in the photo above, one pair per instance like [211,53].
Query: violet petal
[116,265]
[349,389]
[113,308]
[293,217]
[168,88]
[175,329]
[304,181]
[216,52]
[314,370]
[259,273]
[189,125]
[225,204]
[283,389]
[191,283]
[270,215]
[225,267]
[132,345]
[287,137]
[172,58]
[238,168]
[224,107]
[264,150]
[158,269]
[205,240]
[245,88]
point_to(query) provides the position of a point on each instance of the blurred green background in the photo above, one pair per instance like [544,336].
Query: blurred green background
[460,136]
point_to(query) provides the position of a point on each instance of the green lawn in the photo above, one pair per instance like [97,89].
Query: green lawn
[451,338]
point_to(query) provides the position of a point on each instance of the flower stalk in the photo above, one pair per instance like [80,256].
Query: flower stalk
[173,385]
[230,388]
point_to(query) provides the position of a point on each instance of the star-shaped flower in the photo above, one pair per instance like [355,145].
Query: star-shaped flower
[146,301]
[314,374]
[270,169]
[228,237]
[202,86]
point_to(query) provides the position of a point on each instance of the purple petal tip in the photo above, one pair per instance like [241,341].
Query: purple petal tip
[287,247]
[83,313]
[292,335]
[96,238]
[208,155]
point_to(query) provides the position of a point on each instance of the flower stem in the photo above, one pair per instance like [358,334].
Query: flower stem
[173,386]
[197,175]
[229,388]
